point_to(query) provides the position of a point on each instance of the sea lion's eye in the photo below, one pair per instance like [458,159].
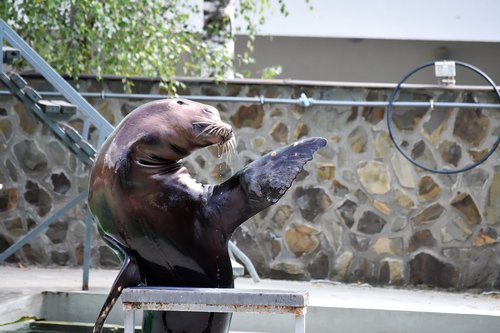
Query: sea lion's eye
[180,102]
[208,111]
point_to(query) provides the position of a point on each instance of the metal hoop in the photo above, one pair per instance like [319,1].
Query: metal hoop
[409,158]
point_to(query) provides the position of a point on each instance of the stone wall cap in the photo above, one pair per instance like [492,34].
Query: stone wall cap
[277,82]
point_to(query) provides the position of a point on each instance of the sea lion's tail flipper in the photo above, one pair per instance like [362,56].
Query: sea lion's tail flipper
[128,276]
[262,182]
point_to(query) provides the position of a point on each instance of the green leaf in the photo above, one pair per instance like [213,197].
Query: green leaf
[130,37]
[21,320]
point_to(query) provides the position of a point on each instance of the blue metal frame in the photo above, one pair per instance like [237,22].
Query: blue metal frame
[91,116]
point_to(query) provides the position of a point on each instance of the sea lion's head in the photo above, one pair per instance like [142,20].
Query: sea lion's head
[171,129]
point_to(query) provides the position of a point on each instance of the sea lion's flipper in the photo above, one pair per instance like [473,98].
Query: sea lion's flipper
[261,183]
[128,276]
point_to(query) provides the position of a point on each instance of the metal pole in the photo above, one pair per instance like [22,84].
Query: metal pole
[306,102]
[245,260]
[1,47]
[87,249]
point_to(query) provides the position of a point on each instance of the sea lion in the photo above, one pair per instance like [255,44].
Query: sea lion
[169,229]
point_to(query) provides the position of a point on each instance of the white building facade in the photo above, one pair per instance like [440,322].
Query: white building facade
[378,40]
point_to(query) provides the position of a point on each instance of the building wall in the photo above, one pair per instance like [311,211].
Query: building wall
[368,60]
[375,41]
[359,212]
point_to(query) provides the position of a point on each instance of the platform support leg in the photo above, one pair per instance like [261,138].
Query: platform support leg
[129,326]
[300,323]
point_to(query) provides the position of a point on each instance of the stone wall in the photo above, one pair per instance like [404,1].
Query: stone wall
[359,212]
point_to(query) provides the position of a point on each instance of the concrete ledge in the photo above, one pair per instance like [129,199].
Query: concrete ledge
[17,305]
[332,307]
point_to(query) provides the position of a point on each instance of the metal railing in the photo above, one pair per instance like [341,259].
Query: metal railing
[303,100]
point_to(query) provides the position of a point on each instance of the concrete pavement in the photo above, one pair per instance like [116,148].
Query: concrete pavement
[349,308]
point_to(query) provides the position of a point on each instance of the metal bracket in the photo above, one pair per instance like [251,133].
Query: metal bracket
[446,72]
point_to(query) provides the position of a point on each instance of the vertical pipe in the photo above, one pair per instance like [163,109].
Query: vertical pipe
[85,130]
[101,139]
[86,250]
[1,46]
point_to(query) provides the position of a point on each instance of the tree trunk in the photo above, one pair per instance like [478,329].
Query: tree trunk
[218,17]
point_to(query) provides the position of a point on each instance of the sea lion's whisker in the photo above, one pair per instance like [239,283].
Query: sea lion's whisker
[211,130]
[209,125]
[227,144]
[233,144]
[232,147]
[228,148]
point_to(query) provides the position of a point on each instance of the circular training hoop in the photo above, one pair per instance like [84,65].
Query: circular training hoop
[408,157]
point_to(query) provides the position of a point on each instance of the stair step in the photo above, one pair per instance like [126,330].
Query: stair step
[32,94]
[57,110]
[10,54]
[66,108]
[77,138]
[18,80]
[49,107]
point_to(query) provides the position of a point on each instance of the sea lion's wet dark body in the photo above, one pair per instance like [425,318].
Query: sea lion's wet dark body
[169,229]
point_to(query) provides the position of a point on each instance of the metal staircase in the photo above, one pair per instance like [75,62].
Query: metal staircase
[54,114]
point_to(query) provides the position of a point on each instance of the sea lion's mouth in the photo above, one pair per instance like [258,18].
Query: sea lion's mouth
[216,133]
